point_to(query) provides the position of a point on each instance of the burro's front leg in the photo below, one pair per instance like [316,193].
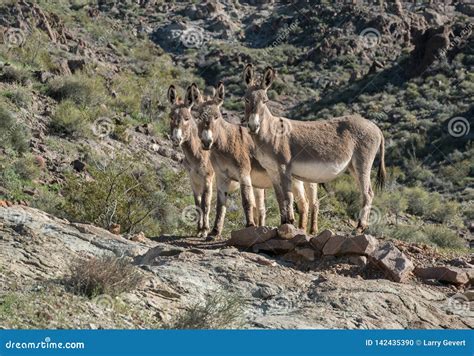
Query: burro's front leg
[223,185]
[287,213]
[206,200]
[248,198]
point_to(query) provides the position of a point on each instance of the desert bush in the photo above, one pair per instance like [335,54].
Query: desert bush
[70,120]
[443,237]
[392,202]
[19,97]
[417,199]
[121,192]
[13,133]
[11,74]
[80,89]
[103,275]
[26,167]
[221,310]
[409,233]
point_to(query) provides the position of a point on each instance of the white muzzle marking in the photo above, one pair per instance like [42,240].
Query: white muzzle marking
[254,122]
[206,137]
[177,135]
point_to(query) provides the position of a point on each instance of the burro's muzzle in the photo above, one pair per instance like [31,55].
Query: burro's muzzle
[177,137]
[206,139]
[254,123]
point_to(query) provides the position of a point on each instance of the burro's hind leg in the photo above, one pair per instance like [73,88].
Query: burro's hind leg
[301,203]
[360,168]
[312,194]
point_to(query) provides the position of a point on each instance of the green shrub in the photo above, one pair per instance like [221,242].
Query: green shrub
[443,237]
[11,74]
[125,192]
[13,133]
[27,168]
[417,200]
[408,233]
[19,97]
[70,120]
[82,90]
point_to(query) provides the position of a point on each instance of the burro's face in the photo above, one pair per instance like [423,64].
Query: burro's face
[207,116]
[255,102]
[180,117]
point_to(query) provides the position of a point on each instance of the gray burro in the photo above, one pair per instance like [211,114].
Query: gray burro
[280,275]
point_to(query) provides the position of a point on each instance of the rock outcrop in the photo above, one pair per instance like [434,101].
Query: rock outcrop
[36,250]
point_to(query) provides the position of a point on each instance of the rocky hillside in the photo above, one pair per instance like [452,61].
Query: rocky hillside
[192,284]
[87,164]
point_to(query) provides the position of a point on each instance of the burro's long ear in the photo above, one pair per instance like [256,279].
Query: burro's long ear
[248,74]
[172,97]
[194,94]
[220,93]
[188,99]
[268,78]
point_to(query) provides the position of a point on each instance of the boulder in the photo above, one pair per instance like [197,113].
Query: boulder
[250,236]
[358,245]
[301,240]
[274,246]
[319,241]
[452,275]
[396,265]
[306,253]
[289,231]
[333,245]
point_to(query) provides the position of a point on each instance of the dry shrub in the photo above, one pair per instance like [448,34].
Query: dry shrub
[103,275]
[219,311]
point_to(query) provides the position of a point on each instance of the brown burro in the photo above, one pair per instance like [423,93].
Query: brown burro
[232,157]
[312,151]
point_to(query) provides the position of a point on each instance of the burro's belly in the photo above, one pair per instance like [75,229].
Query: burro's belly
[317,171]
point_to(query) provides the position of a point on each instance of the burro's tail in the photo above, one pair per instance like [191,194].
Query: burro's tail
[381,173]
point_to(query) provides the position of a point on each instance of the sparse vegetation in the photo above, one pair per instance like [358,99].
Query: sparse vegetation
[103,275]
[220,310]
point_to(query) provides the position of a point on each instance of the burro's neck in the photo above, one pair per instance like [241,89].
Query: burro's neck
[222,132]
[192,145]
[267,122]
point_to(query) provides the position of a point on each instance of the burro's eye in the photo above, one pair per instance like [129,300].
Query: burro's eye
[247,100]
